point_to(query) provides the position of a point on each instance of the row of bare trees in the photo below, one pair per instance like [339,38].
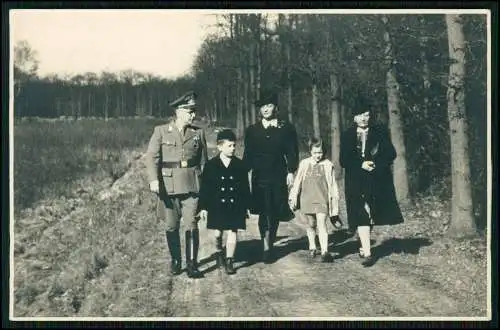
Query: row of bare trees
[90,94]
[419,73]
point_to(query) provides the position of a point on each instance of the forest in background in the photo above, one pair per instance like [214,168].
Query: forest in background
[425,76]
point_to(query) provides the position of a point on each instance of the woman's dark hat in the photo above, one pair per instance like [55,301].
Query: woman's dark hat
[267,97]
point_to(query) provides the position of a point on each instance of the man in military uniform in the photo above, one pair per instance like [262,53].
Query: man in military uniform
[175,158]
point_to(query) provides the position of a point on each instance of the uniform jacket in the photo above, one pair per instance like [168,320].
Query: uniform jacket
[333,191]
[167,144]
[375,187]
[225,193]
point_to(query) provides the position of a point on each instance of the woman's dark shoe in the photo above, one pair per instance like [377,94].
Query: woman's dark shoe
[229,266]
[368,261]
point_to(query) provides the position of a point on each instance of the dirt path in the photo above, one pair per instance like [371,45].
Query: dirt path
[133,281]
[295,286]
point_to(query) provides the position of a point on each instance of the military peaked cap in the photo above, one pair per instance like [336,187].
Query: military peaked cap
[186,101]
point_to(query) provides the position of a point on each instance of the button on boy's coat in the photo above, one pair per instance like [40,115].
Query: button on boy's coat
[167,144]
[225,194]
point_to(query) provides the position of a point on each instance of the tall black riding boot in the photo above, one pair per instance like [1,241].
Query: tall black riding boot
[192,246]
[174,247]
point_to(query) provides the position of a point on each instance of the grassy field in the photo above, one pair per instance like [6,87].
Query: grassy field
[51,157]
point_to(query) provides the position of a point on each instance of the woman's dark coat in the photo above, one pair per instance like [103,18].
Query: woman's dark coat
[271,153]
[225,194]
[377,186]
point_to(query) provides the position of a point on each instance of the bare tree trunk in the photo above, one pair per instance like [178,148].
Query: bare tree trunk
[395,122]
[289,81]
[462,220]
[252,82]
[106,103]
[335,122]
[259,58]
[315,110]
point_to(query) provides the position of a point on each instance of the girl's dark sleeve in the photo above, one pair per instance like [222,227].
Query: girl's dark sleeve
[292,149]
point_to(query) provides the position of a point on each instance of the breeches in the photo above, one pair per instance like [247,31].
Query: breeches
[174,207]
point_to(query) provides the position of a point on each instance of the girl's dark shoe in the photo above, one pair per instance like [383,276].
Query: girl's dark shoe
[229,266]
[326,257]
[368,261]
[313,253]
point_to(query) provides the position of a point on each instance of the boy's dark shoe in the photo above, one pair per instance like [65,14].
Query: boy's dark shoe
[267,257]
[220,261]
[192,270]
[229,266]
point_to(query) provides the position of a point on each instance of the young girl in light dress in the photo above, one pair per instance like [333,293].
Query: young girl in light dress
[315,194]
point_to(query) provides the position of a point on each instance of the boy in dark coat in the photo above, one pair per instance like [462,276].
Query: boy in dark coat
[224,196]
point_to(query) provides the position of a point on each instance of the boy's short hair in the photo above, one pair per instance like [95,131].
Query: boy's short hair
[316,142]
[226,135]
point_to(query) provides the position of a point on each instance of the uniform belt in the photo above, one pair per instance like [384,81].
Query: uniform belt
[180,164]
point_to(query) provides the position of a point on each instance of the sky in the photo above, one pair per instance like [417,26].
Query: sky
[162,42]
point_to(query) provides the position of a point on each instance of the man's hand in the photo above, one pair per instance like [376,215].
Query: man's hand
[368,165]
[289,179]
[154,186]
[203,215]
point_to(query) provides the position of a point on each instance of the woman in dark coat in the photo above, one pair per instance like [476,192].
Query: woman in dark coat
[367,154]
[271,154]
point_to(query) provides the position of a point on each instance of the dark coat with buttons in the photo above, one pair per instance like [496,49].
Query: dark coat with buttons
[375,188]
[225,194]
[271,153]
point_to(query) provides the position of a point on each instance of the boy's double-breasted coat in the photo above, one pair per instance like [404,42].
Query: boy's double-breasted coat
[225,194]
[376,187]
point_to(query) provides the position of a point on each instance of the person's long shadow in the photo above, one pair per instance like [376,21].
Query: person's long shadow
[388,247]
[250,252]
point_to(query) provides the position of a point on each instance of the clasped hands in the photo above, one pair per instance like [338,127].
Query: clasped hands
[368,165]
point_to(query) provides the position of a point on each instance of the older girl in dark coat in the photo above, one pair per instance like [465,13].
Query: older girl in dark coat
[367,154]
